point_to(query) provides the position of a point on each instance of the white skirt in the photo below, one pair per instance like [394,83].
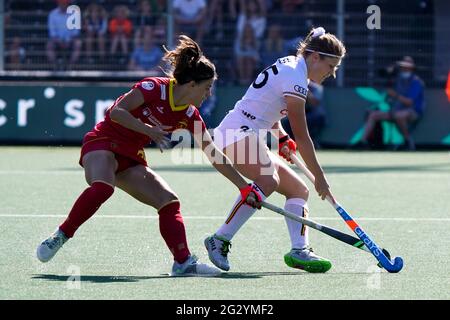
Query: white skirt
[235,127]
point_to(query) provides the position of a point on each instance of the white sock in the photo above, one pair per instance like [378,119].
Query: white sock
[298,232]
[238,215]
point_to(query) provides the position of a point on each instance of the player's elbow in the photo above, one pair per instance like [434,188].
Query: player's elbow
[115,114]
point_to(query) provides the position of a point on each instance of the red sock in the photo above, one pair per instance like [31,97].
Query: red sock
[85,206]
[172,230]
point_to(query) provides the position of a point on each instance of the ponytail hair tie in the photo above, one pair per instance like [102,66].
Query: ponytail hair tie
[317,32]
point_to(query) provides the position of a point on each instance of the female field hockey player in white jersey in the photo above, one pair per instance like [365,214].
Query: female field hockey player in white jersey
[280,89]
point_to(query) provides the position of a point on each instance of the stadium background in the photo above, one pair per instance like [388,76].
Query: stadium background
[398,197]
[77,93]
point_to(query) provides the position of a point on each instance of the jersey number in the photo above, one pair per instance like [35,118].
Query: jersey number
[265,73]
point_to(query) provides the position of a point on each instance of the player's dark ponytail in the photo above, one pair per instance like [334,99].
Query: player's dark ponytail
[188,62]
[324,43]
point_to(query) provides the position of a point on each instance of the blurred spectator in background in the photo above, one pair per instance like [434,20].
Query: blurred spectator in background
[159,6]
[95,26]
[120,29]
[290,45]
[315,114]
[146,56]
[252,12]
[15,55]
[291,5]
[62,39]
[159,31]
[207,108]
[406,99]
[246,55]
[290,15]
[190,18]
[144,18]
[273,46]
[215,16]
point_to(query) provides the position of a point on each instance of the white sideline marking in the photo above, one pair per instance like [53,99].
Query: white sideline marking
[219,217]
[41,172]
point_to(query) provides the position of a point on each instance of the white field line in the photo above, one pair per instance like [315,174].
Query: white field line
[6,215]
[41,172]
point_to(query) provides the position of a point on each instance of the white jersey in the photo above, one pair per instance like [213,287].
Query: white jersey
[264,99]
[264,104]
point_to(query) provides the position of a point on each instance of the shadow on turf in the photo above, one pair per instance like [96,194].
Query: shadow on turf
[111,279]
[94,279]
[256,275]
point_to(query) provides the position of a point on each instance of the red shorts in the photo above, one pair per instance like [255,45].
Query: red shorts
[127,155]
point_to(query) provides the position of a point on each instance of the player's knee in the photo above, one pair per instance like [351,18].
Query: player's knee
[298,190]
[168,198]
[101,190]
[172,206]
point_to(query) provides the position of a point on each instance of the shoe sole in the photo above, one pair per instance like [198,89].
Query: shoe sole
[318,266]
[210,257]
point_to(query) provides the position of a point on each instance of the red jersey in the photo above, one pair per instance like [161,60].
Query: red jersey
[158,109]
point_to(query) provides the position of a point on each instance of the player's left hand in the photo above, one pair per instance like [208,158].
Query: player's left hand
[323,188]
[251,196]
[286,146]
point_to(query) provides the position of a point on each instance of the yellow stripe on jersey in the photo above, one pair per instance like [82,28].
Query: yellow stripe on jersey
[172,105]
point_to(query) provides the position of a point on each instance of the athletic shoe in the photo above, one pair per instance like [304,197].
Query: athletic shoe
[192,268]
[49,247]
[307,260]
[218,249]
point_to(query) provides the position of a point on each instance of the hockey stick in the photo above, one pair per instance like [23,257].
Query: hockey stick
[355,242]
[391,266]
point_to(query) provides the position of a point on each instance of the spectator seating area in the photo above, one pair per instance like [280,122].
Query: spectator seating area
[26,34]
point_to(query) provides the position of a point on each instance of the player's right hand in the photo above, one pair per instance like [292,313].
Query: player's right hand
[159,135]
[251,196]
[286,147]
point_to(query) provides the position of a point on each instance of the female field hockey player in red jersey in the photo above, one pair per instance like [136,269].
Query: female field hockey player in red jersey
[112,153]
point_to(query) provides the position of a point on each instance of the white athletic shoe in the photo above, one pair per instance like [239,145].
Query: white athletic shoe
[49,247]
[192,268]
[218,249]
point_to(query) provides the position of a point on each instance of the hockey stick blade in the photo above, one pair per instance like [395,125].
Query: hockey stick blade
[338,235]
[385,262]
